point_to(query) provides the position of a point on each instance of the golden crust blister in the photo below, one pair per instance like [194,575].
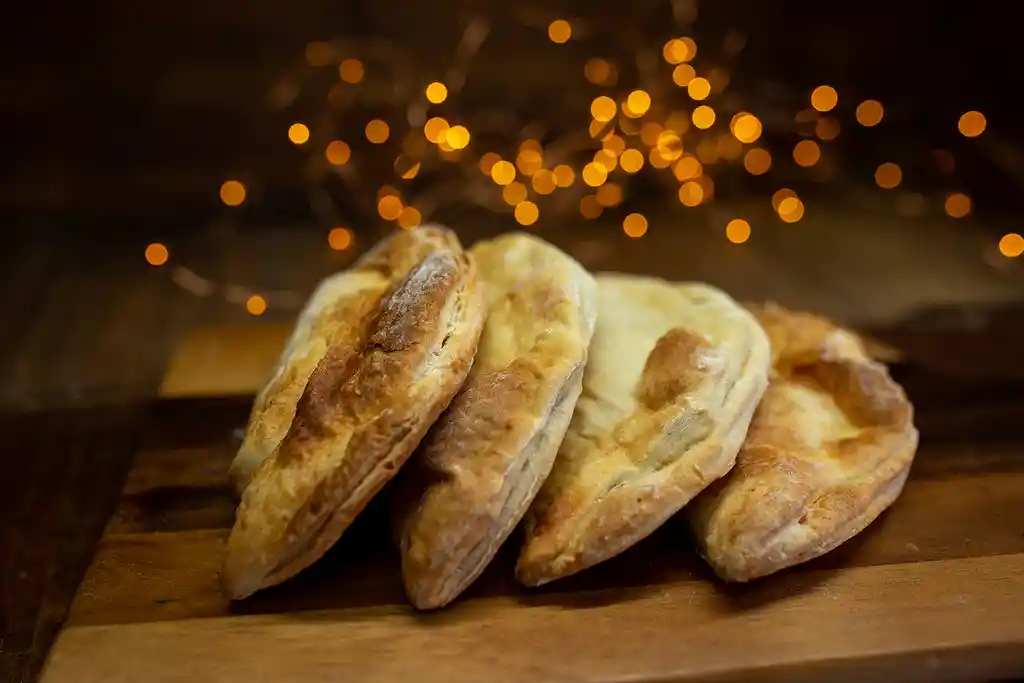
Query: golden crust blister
[367,403]
[674,374]
[828,450]
[482,463]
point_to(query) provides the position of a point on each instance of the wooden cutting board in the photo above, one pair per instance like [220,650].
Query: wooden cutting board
[932,591]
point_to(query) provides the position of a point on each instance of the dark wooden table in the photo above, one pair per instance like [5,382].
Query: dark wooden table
[99,355]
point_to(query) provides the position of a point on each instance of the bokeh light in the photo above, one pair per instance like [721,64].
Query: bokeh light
[634,225]
[1011,245]
[339,238]
[232,193]
[869,113]
[737,231]
[559,31]
[824,98]
[972,124]
[436,92]
[156,254]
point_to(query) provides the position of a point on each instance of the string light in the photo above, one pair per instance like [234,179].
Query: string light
[436,93]
[298,133]
[634,225]
[526,213]
[351,71]
[256,305]
[559,31]
[339,238]
[957,205]
[869,113]
[972,124]
[1011,245]
[888,176]
[377,132]
[156,254]
[737,231]
[824,98]
[232,193]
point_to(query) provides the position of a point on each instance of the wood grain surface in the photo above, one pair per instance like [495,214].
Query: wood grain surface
[932,591]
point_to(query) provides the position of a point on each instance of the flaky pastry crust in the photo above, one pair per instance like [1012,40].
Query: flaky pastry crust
[365,407]
[482,463]
[674,373]
[828,450]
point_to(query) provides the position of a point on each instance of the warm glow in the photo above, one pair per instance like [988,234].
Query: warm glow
[650,132]
[707,151]
[719,79]
[503,172]
[526,213]
[757,161]
[603,109]
[351,70]
[559,31]
[972,124]
[436,93]
[389,207]
[406,168]
[958,205]
[609,195]
[888,176]
[703,117]
[737,231]
[746,127]
[256,305]
[339,238]
[594,174]
[156,254]
[232,193]
[298,133]
[606,160]
[827,128]
[698,88]
[564,175]
[729,147]
[791,209]
[435,129]
[634,225]
[597,71]
[869,113]
[514,193]
[529,161]
[679,50]
[409,218]
[457,137]
[687,168]
[691,193]
[318,53]
[614,144]
[683,75]
[1011,245]
[670,145]
[377,131]
[780,196]
[487,162]
[679,121]
[631,160]
[637,104]
[944,161]
[338,153]
[589,207]
[543,181]
[824,98]
[806,153]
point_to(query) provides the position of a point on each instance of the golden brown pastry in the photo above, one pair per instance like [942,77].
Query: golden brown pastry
[481,464]
[331,317]
[367,404]
[828,450]
[674,373]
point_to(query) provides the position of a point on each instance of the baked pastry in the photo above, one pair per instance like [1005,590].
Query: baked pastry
[481,464]
[332,316]
[674,374]
[828,450]
[367,404]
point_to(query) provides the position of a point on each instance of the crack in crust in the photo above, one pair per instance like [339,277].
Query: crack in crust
[364,409]
[828,450]
[675,372]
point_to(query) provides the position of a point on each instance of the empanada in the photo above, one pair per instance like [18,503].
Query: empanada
[481,464]
[332,316]
[674,374]
[366,406]
[828,450]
